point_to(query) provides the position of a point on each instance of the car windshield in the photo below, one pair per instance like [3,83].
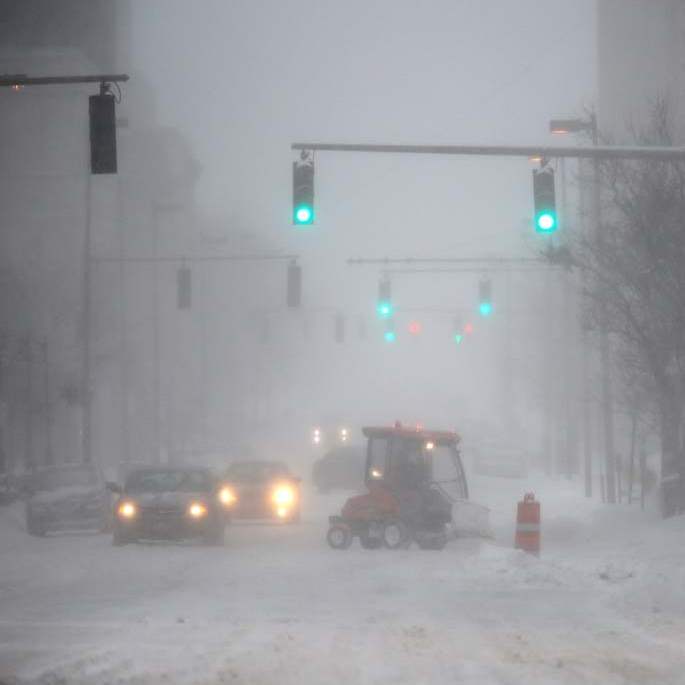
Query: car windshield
[256,471]
[54,479]
[168,480]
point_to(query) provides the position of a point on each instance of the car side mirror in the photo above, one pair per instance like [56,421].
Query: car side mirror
[114,487]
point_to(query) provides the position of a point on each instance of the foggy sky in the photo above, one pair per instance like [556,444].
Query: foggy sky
[245,79]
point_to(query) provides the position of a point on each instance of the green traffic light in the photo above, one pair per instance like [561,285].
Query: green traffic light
[458,337]
[384,309]
[390,336]
[546,222]
[304,215]
[485,308]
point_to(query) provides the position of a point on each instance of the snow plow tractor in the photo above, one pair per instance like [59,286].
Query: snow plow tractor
[413,476]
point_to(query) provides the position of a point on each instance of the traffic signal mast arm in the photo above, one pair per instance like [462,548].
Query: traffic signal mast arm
[673,154]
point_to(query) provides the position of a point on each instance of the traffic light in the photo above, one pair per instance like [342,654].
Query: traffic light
[414,328]
[384,306]
[545,204]
[303,189]
[485,297]
[458,334]
[339,328]
[103,133]
[184,288]
[294,285]
[389,336]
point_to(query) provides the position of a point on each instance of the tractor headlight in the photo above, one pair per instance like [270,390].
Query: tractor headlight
[283,495]
[197,510]
[127,510]
[227,496]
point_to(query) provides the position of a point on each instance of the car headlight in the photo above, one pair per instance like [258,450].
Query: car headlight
[284,495]
[227,496]
[127,510]
[197,510]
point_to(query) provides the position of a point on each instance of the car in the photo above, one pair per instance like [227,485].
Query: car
[169,503]
[69,497]
[263,489]
[502,462]
[341,468]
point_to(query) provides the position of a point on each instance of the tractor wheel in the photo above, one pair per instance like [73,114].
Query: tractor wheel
[368,542]
[339,536]
[396,535]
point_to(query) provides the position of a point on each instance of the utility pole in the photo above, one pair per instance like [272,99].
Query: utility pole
[49,456]
[156,428]
[604,351]
[86,397]
[28,425]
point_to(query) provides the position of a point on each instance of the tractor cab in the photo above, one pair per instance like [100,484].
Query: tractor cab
[403,459]
[413,477]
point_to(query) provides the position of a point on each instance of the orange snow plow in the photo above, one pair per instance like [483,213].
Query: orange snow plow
[412,477]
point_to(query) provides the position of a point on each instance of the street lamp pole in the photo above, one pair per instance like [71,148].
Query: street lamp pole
[573,126]
[604,350]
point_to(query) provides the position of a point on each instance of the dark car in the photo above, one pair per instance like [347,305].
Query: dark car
[172,503]
[263,489]
[341,468]
[71,497]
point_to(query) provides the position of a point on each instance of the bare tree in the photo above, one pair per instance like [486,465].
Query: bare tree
[636,272]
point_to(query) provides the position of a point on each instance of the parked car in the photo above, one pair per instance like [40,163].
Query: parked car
[174,503]
[263,489]
[70,497]
[341,468]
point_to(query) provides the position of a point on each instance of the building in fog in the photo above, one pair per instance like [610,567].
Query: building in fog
[641,51]
[44,162]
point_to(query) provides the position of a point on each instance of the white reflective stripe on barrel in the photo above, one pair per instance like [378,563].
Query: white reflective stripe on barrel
[527,527]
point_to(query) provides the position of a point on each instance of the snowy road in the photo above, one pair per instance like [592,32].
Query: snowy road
[276,605]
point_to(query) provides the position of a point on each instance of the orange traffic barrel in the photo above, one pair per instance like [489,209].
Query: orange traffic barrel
[528,525]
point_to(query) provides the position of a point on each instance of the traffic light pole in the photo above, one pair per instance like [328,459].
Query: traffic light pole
[599,152]
[596,153]
[17,82]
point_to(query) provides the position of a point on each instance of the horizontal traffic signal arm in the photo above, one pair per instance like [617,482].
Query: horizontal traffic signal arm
[548,151]
[200,258]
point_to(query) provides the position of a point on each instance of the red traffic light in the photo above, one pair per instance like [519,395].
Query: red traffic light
[468,329]
[414,327]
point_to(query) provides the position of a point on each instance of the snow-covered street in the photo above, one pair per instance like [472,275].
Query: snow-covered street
[602,604]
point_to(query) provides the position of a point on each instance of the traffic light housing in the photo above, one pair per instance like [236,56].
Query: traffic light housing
[485,297]
[184,288]
[545,203]
[458,331]
[390,336]
[303,189]
[103,133]
[294,285]
[384,306]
